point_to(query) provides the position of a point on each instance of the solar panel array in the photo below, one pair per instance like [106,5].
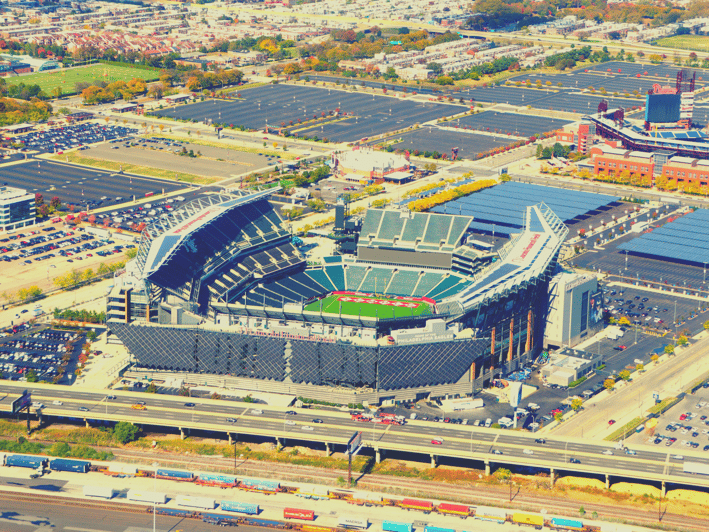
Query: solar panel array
[506,204]
[683,134]
[684,240]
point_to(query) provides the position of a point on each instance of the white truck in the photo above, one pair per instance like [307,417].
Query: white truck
[696,468]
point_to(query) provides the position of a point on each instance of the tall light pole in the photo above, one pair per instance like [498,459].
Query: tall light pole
[155,489]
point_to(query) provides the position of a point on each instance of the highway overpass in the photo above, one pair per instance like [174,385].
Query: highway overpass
[651,463]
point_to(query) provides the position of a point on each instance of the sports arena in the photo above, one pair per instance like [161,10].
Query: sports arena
[218,293]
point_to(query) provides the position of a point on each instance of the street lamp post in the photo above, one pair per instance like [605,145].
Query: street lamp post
[155,489]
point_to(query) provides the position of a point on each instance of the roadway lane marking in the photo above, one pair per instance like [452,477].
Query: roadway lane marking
[83,529]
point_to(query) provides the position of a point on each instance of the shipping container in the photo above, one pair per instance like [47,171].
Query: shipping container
[98,491]
[351,522]
[297,513]
[392,526]
[696,468]
[216,480]
[259,485]
[313,492]
[413,504]
[455,509]
[428,528]
[535,520]
[76,466]
[486,513]
[172,474]
[146,496]
[243,507]
[195,502]
[316,528]
[21,460]
[559,523]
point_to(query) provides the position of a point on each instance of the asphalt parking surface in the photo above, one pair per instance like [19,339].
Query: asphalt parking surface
[278,105]
[78,185]
[432,138]
[693,429]
[515,124]
[67,137]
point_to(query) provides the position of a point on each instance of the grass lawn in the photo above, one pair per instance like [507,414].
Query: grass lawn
[331,305]
[698,43]
[66,78]
[74,157]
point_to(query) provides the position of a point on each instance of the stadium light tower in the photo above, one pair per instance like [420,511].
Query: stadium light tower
[626,259]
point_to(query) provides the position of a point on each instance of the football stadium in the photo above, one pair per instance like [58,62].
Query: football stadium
[219,293]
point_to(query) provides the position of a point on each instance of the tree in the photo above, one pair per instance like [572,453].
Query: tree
[32,376]
[624,321]
[640,367]
[91,336]
[317,205]
[670,349]
[682,340]
[502,474]
[437,68]
[706,325]
[609,384]
[576,404]
[152,388]
[125,432]
[625,375]
[558,417]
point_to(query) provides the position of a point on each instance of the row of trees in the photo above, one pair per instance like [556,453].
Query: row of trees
[450,194]
[86,316]
[113,91]
[15,112]
[77,277]
[25,295]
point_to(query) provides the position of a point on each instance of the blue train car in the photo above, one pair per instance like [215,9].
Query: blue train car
[259,485]
[174,512]
[213,479]
[242,507]
[218,519]
[22,460]
[437,529]
[392,526]
[171,474]
[559,523]
[75,466]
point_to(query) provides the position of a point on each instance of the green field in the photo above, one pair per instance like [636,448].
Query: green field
[66,78]
[331,305]
[697,43]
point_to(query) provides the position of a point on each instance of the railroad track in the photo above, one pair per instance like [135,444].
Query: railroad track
[74,502]
[475,495]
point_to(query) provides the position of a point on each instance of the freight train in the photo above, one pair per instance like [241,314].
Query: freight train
[498,515]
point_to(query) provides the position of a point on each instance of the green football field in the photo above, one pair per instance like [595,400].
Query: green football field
[66,78]
[331,305]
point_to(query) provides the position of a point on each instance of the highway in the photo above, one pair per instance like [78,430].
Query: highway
[460,442]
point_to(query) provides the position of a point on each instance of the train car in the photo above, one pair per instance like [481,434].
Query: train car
[429,528]
[560,523]
[242,507]
[212,479]
[263,523]
[487,513]
[264,486]
[75,466]
[221,520]
[535,520]
[393,526]
[21,460]
[170,474]
[195,502]
[352,523]
[298,513]
[413,504]
[104,492]
[174,512]
[146,496]
[316,528]
[453,509]
[313,492]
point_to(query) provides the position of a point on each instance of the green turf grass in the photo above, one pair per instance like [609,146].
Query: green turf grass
[66,78]
[331,305]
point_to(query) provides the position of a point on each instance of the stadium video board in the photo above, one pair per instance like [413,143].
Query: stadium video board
[662,108]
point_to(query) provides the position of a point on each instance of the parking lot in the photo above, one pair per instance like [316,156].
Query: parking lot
[81,186]
[165,153]
[56,140]
[516,124]
[683,427]
[276,106]
[44,352]
[432,138]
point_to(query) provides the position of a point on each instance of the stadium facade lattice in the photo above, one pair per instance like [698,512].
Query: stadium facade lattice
[219,293]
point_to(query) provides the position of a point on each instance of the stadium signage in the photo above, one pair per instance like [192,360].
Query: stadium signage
[190,223]
[281,334]
[350,299]
[529,246]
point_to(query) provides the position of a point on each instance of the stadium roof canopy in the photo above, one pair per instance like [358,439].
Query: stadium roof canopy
[161,239]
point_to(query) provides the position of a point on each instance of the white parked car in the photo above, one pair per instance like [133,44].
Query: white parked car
[528,451]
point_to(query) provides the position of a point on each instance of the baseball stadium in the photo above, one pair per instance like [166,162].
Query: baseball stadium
[219,292]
